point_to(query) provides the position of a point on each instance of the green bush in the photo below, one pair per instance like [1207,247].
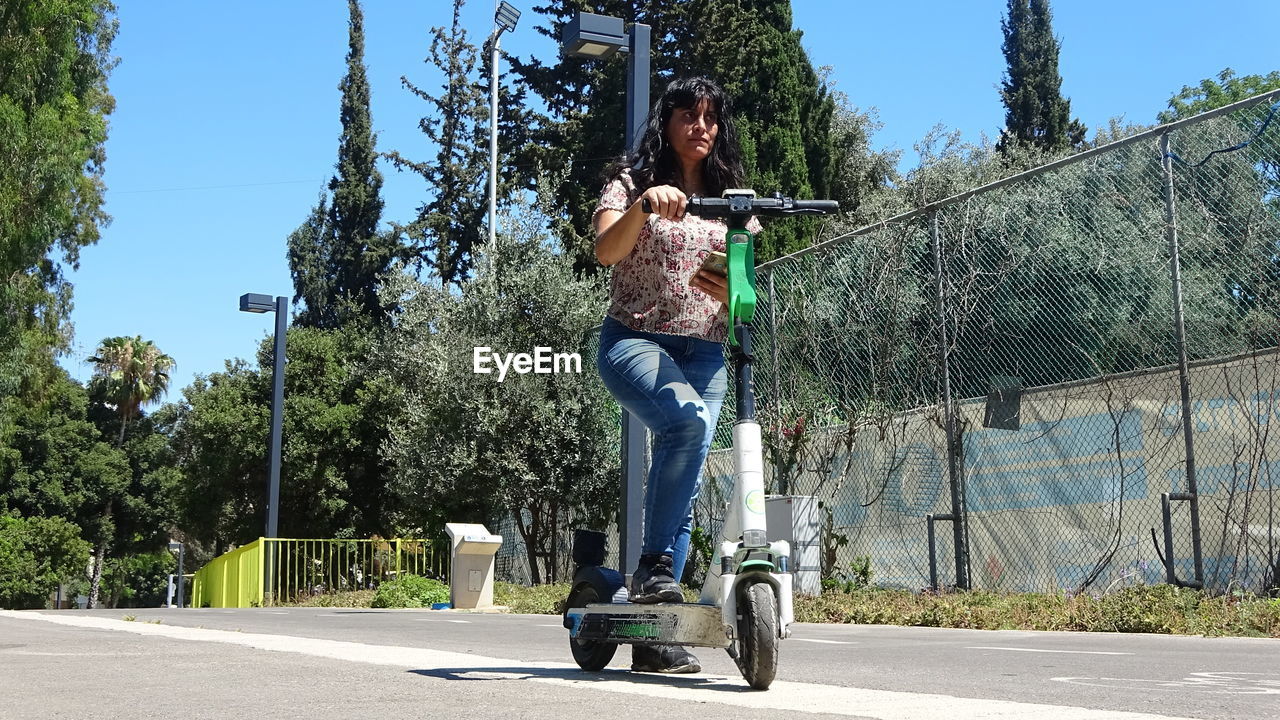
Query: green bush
[858,576]
[410,591]
[138,581]
[35,555]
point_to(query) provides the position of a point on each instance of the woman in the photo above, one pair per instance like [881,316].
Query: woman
[661,342]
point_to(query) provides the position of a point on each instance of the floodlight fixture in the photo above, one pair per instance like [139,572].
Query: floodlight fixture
[507,16]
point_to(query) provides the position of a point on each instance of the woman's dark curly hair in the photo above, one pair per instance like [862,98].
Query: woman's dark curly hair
[655,163]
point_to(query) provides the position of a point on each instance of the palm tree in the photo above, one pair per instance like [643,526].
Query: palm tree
[128,374]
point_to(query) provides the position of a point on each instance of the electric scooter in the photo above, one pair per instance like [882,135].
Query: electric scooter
[746,601]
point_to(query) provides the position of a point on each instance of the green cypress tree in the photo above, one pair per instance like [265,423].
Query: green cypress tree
[1037,116]
[582,129]
[783,106]
[335,257]
[452,224]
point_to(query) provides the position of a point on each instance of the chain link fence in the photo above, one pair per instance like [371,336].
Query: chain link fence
[1071,375]
[1032,366]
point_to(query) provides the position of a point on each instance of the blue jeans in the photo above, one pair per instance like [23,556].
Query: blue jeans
[675,386]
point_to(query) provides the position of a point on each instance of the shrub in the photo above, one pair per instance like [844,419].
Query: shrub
[410,591]
[35,555]
[537,600]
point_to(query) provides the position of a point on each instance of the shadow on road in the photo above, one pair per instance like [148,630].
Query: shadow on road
[718,683]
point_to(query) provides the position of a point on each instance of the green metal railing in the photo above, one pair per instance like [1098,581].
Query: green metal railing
[271,571]
[233,579]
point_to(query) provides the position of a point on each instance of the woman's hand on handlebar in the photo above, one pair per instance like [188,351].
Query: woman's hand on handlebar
[665,201]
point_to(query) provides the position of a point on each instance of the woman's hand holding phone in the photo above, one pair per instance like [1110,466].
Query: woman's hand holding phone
[711,276]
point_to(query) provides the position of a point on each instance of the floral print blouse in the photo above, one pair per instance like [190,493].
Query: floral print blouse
[650,289]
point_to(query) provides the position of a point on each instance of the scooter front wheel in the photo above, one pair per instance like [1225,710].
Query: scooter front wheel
[758,634]
[591,655]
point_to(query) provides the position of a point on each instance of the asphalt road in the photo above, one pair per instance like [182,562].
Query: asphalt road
[337,663]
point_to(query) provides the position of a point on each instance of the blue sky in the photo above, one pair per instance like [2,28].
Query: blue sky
[226,124]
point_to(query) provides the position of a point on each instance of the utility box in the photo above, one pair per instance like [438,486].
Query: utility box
[794,518]
[471,570]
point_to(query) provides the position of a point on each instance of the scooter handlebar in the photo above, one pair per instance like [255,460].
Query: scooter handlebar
[767,206]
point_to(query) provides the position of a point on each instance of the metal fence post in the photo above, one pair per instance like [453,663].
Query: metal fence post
[1184,373]
[784,486]
[959,525]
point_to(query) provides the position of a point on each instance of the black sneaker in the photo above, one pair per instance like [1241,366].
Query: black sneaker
[668,659]
[653,582]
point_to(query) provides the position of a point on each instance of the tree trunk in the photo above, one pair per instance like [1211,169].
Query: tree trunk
[99,554]
[96,584]
[125,416]
[553,558]
[528,533]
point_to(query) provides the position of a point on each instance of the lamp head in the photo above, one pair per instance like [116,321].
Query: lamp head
[592,36]
[257,303]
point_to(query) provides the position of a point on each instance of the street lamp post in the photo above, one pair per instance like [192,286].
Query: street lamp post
[504,18]
[257,303]
[600,36]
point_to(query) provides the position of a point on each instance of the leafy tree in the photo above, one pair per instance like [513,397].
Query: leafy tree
[139,580]
[219,433]
[537,448]
[1224,188]
[337,411]
[862,178]
[36,555]
[1036,114]
[336,255]
[128,373]
[54,62]
[56,462]
[450,228]
[60,461]
[1211,94]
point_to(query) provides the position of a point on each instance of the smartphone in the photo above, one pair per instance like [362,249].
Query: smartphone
[715,262]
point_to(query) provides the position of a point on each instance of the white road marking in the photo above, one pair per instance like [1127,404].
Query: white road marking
[1213,683]
[825,642]
[1067,652]
[560,627]
[460,622]
[791,697]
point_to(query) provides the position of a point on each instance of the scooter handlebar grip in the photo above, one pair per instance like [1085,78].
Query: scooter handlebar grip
[824,206]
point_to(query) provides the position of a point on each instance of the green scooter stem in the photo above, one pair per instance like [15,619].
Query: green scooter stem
[740,257]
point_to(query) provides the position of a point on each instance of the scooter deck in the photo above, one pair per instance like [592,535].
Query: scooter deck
[690,624]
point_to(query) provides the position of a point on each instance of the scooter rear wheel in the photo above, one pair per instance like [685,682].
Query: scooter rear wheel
[591,655]
[758,634]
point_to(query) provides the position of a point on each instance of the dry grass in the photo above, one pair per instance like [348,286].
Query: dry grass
[1141,609]
[353,599]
